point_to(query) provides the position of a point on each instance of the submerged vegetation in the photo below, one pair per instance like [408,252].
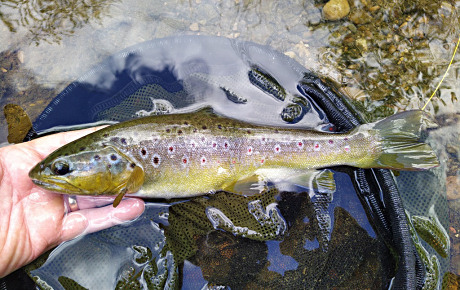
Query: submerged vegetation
[50,20]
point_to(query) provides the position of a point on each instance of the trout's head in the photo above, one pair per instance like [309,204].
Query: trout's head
[102,170]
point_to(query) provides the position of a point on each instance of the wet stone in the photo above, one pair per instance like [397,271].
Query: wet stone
[336,9]
[452,187]
[360,17]
[18,121]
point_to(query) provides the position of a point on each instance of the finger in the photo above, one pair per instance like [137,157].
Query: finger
[85,202]
[48,144]
[92,220]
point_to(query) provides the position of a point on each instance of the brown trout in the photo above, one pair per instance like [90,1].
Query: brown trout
[170,156]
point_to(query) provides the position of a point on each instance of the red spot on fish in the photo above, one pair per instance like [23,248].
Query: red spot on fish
[347,148]
[316,146]
[277,148]
[184,160]
[331,129]
[300,144]
[171,148]
[331,141]
[233,161]
[203,160]
[250,149]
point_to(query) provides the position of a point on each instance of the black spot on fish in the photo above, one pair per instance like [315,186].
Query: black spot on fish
[105,135]
[185,123]
[179,132]
[168,130]
[132,165]
[97,157]
[67,154]
[109,166]
[156,160]
[82,148]
[219,127]
[204,127]
[113,157]
[249,131]
[194,130]
[143,151]
[123,141]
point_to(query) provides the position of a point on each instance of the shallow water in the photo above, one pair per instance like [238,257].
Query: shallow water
[388,56]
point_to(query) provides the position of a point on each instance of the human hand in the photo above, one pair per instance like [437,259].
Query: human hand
[32,219]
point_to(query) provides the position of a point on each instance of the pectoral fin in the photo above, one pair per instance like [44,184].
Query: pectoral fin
[134,183]
[118,199]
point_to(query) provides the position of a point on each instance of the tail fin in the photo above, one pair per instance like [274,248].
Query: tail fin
[400,136]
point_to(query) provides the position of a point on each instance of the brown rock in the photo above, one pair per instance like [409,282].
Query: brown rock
[336,9]
[452,187]
[360,17]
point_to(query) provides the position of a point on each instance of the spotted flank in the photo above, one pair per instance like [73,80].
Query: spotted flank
[170,156]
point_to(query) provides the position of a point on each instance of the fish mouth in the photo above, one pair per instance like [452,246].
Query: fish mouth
[57,185]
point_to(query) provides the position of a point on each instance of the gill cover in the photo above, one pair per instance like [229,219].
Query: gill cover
[105,171]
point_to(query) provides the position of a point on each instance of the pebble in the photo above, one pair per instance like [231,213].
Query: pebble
[336,9]
[374,8]
[360,17]
[194,27]
[21,56]
[452,187]
[354,93]
[392,48]
[361,43]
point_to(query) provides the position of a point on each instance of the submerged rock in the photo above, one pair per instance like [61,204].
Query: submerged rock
[336,9]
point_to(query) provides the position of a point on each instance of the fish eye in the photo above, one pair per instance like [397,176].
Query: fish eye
[60,167]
